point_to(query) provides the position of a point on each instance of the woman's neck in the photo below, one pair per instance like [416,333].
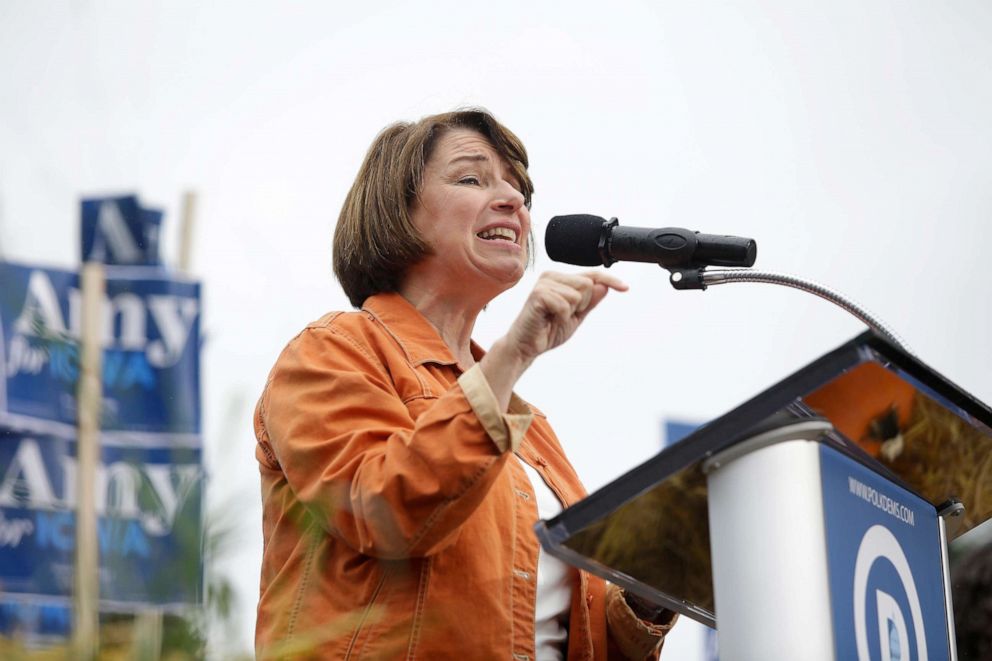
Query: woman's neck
[452,317]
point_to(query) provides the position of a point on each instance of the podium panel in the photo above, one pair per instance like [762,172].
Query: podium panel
[770,554]
[885,566]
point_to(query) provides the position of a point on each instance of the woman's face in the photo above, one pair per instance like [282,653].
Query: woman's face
[472,215]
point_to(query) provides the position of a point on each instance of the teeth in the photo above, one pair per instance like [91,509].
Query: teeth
[499,233]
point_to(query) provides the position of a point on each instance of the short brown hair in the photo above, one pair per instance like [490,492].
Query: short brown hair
[375,240]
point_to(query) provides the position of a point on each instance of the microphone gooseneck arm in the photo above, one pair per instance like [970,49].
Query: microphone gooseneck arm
[702,278]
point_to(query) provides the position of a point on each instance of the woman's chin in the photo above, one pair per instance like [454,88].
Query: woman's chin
[508,275]
[490,283]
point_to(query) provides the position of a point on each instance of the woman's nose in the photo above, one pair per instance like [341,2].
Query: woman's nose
[508,197]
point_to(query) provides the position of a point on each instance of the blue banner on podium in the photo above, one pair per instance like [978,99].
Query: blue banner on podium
[885,567]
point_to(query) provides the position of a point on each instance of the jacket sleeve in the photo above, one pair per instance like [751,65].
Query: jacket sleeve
[629,636]
[386,484]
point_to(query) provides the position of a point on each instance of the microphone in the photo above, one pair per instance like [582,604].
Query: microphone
[587,240]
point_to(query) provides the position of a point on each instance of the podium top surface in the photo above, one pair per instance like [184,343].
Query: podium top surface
[648,530]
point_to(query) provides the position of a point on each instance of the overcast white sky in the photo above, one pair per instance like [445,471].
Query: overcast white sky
[851,139]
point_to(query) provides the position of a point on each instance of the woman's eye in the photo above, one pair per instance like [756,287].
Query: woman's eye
[470,180]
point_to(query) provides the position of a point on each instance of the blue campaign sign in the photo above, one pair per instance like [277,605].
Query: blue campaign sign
[148,503]
[151,364]
[675,430]
[118,230]
[885,568]
[36,622]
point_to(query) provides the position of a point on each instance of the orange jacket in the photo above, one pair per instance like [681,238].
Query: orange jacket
[396,521]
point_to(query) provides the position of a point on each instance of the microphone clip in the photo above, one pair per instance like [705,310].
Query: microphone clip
[688,278]
[603,247]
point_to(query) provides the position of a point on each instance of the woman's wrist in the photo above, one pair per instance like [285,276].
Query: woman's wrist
[502,367]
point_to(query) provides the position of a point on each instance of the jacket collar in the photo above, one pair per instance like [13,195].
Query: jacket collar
[419,340]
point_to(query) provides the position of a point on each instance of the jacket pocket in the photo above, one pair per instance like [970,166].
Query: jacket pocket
[390,625]
[363,629]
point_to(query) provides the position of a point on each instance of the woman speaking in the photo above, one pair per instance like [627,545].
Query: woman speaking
[401,476]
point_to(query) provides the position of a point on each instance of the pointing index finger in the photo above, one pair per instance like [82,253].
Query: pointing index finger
[607,279]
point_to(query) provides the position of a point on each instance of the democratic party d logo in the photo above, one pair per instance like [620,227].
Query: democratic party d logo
[893,635]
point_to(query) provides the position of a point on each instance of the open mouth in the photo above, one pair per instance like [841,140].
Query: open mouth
[498,234]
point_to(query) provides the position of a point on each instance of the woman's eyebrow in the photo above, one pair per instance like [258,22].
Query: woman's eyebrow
[468,157]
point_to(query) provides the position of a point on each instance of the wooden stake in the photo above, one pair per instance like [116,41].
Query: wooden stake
[148,627]
[186,224]
[86,594]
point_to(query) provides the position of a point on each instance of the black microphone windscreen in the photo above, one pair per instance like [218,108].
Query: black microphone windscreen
[575,239]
